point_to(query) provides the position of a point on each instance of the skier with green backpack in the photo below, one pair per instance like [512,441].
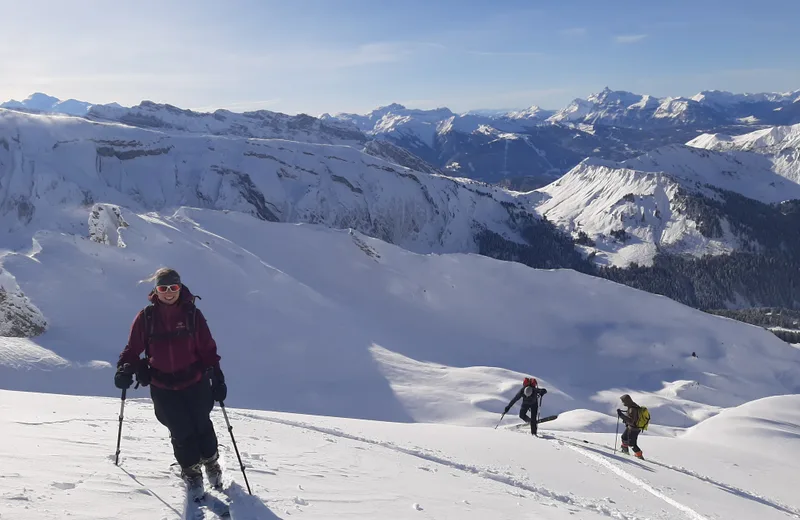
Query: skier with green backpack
[636,419]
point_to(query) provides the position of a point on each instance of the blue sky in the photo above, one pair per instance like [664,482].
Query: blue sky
[318,56]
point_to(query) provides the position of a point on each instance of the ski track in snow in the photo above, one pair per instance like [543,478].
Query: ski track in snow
[691,513]
[486,473]
[732,489]
[680,469]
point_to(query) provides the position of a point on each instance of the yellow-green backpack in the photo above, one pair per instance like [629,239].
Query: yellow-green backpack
[644,418]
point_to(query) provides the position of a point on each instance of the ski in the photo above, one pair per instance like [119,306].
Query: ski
[194,508]
[547,419]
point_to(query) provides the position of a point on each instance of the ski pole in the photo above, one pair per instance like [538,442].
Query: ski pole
[119,433]
[616,435]
[501,420]
[230,430]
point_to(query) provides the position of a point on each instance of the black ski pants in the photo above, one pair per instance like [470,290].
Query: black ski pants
[629,438]
[523,414]
[187,415]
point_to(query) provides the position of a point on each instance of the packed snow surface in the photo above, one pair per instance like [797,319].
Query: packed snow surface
[58,461]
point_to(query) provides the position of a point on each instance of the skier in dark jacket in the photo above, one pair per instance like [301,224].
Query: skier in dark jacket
[631,419]
[181,366]
[530,394]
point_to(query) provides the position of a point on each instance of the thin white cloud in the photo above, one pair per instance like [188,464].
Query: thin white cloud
[630,38]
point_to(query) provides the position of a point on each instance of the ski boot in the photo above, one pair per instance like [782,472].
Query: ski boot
[193,476]
[213,471]
[638,455]
[624,449]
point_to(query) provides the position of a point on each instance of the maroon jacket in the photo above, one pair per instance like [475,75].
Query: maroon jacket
[185,356]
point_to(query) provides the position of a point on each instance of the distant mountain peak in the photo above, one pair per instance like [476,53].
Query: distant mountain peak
[45,103]
[40,97]
[391,107]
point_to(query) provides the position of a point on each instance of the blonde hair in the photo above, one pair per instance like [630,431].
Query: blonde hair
[161,271]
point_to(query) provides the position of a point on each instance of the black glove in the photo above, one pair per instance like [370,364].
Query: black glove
[143,373]
[620,414]
[506,409]
[544,391]
[219,390]
[123,379]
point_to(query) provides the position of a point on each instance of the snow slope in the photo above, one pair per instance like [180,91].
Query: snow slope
[317,467]
[644,196]
[775,419]
[331,322]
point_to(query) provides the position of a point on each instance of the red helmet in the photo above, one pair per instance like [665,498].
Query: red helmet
[529,381]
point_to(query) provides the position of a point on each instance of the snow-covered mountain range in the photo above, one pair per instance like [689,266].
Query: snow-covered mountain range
[781,144]
[327,335]
[42,103]
[523,149]
[261,124]
[340,288]
[637,208]
[51,167]
[706,109]
[634,209]
[486,146]
[674,200]
[531,147]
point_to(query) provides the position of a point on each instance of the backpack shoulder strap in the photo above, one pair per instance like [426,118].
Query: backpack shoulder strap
[147,313]
[191,322]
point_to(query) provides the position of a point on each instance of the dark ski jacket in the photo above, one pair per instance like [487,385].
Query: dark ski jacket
[177,359]
[632,416]
[532,400]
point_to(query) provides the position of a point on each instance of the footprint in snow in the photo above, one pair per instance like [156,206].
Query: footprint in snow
[417,507]
[63,485]
[299,501]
